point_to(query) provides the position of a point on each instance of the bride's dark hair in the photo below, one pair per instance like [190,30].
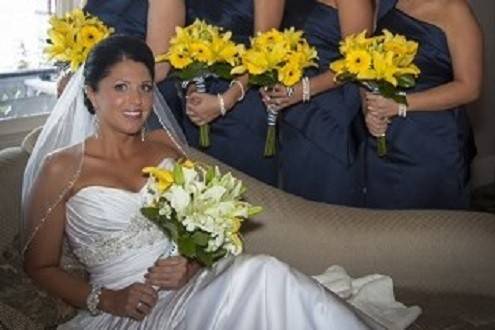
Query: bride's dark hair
[111,51]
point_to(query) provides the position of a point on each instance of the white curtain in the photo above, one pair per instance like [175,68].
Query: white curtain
[63,6]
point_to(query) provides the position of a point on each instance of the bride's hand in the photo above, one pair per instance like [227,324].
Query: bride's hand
[136,301]
[169,274]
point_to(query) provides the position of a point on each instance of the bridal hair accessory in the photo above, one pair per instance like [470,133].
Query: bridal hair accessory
[93,299]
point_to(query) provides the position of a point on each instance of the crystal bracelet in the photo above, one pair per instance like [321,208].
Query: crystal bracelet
[93,299]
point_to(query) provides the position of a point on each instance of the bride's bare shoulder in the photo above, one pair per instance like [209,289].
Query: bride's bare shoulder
[161,139]
[62,160]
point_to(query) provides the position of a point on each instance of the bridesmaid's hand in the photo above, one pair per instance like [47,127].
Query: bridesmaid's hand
[381,106]
[171,273]
[377,125]
[135,301]
[203,108]
[278,97]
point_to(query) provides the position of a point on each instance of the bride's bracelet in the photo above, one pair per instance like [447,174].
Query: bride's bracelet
[93,299]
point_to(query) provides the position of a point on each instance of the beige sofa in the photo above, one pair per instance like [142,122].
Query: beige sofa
[440,260]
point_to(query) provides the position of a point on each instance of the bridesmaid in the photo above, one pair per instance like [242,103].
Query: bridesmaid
[153,21]
[431,147]
[237,138]
[319,137]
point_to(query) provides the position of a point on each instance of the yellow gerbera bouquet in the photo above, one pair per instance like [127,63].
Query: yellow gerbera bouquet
[383,64]
[198,51]
[200,209]
[276,57]
[72,36]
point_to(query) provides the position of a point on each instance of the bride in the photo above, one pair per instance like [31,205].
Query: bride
[83,184]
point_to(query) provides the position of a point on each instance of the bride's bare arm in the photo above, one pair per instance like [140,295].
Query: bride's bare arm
[42,258]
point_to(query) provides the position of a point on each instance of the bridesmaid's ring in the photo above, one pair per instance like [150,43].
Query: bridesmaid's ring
[139,304]
[289,91]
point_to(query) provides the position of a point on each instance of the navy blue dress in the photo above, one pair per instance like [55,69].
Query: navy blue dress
[238,138]
[429,153]
[319,139]
[129,17]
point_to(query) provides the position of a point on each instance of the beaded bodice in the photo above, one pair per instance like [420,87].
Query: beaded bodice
[107,232]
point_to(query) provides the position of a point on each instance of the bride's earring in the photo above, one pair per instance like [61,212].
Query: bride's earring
[96,125]
[143,132]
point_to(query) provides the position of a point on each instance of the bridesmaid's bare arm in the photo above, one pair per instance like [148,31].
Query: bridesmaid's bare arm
[465,43]
[163,17]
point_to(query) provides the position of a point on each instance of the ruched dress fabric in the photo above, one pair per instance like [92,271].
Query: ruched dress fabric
[238,138]
[319,139]
[117,245]
[129,17]
[429,152]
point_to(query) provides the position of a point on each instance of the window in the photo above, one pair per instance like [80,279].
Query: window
[27,79]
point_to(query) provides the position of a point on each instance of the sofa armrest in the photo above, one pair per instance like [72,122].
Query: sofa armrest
[12,163]
[432,251]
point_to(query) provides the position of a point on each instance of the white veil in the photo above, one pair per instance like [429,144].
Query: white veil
[67,127]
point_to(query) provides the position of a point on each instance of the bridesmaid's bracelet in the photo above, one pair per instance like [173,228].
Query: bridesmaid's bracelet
[93,299]
[402,111]
[306,90]
[221,101]
[241,87]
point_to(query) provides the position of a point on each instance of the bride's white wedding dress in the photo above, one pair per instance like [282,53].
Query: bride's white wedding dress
[117,245]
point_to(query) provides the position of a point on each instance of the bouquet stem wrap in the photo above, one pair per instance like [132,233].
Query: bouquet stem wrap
[381,141]
[204,130]
[271,135]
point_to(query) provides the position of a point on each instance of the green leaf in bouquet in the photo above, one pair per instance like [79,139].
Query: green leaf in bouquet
[178,174]
[220,253]
[150,213]
[387,90]
[222,70]
[204,258]
[266,79]
[345,77]
[406,81]
[187,248]
[191,71]
[210,174]
[200,238]
[252,211]
[172,229]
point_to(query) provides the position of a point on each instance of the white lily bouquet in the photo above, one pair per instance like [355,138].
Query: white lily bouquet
[200,209]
